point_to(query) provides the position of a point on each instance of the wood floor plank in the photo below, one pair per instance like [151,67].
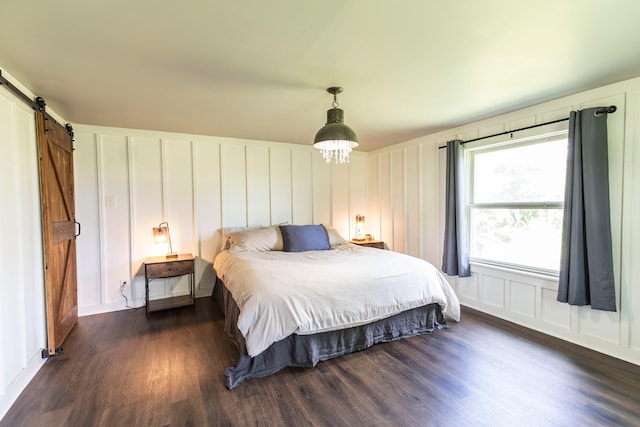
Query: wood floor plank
[124,369]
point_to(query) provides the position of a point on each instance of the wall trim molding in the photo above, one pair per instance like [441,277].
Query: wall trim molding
[20,383]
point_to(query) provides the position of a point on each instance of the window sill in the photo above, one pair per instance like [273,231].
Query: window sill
[518,271]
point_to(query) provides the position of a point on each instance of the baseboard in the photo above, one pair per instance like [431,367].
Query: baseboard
[18,385]
[629,355]
[204,292]
[107,308]
[120,305]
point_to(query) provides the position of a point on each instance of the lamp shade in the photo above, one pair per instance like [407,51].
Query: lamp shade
[161,234]
[335,140]
[335,130]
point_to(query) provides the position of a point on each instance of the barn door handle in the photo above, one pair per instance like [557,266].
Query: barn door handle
[79,228]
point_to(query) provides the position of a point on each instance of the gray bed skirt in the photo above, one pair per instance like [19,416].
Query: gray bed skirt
[306,351]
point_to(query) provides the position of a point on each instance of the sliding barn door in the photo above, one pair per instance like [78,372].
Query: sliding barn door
[55,146]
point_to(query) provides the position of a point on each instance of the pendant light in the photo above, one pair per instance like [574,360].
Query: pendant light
[335,139]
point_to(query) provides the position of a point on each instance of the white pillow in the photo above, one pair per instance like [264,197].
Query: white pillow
[256,240]
[226,233]
[335,238]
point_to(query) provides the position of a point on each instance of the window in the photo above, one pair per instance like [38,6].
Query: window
[515,203]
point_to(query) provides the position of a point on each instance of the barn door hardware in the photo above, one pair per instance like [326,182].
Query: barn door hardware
[45,353]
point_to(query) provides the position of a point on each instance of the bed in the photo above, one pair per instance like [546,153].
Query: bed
[297,295]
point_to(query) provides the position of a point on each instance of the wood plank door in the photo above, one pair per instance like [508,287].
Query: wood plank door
[55,144]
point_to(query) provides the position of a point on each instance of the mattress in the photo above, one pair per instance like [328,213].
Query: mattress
[279,294]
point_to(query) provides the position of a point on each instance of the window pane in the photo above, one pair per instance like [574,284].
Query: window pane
[529,173]
[528,237]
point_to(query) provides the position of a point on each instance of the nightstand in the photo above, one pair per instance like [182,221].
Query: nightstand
[161,267]
[369,243]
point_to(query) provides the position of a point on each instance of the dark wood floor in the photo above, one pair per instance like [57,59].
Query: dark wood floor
[122,369]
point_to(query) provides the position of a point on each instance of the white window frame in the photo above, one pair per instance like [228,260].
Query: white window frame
[481,148]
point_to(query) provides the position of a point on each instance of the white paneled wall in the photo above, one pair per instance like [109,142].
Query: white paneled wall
[302,188]
[358,190]
[631,241]
[406,187]
[130,181]
[22,312]
[385,233]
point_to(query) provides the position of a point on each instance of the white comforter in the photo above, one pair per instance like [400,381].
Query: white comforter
[281,293]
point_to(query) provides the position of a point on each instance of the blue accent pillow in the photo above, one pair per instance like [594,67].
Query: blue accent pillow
[300,238]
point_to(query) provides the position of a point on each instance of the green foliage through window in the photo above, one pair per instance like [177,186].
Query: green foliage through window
[515,207]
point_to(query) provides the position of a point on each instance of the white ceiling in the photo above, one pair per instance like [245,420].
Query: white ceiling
[258,69]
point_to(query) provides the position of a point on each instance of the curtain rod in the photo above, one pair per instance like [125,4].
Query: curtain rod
[610,109]
[33,104]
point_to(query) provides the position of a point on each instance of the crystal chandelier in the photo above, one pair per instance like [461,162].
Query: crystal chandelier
[335,139]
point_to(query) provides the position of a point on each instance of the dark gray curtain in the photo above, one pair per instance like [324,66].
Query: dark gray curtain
[455,259]
[586,262]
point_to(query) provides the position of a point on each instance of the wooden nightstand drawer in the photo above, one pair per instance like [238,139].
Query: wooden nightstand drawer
[169,269]
[369,243]
[163,268]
